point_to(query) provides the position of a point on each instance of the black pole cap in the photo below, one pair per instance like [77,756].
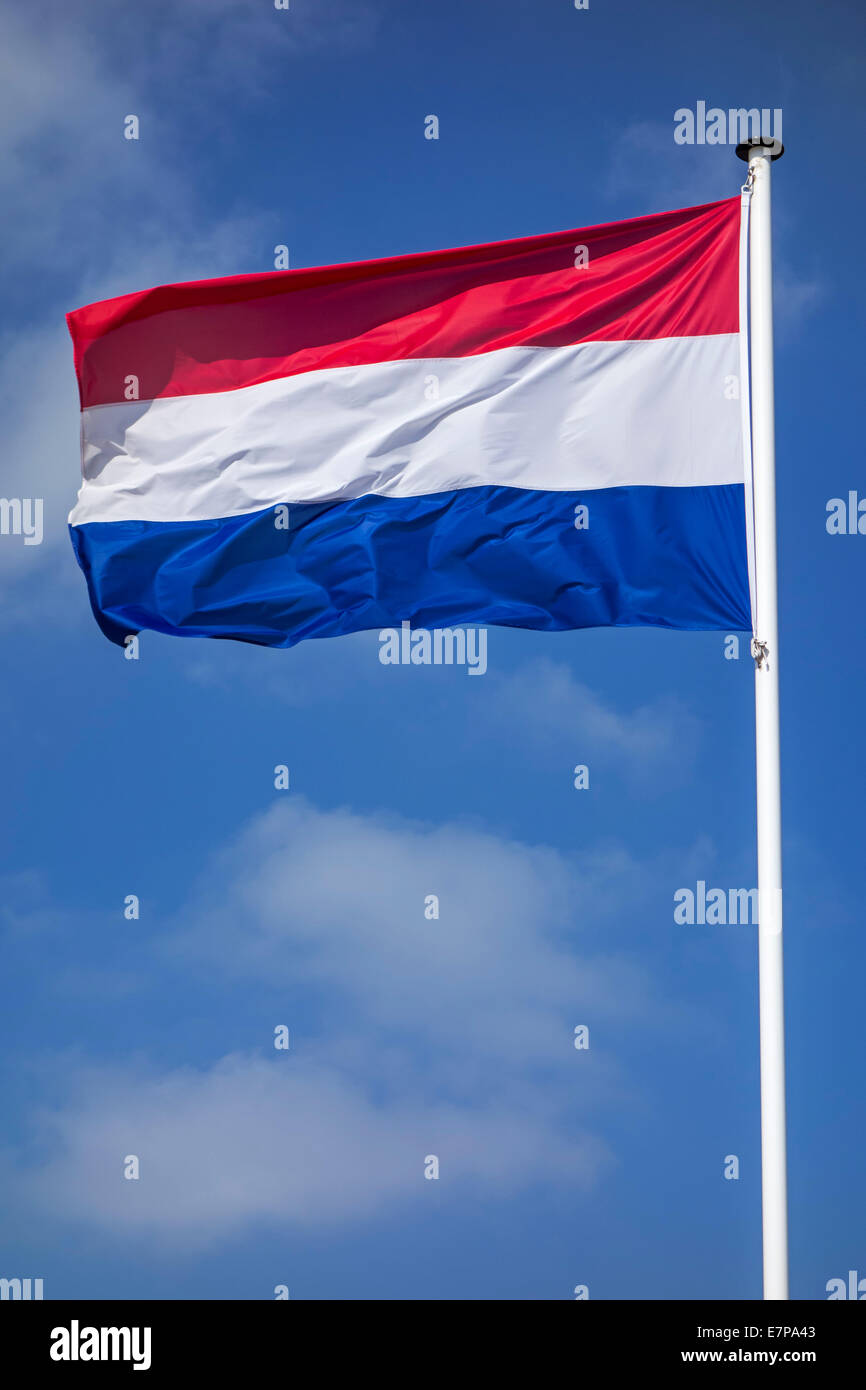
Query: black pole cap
[744,149]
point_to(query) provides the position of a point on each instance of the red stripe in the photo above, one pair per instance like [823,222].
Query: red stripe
[673,274]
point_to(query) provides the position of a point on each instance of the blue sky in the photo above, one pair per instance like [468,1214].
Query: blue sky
[305,908]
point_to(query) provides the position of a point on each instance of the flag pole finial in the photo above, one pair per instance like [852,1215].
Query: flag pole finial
[746,148]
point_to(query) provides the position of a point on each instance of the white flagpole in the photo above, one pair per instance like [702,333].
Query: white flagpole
[765,651]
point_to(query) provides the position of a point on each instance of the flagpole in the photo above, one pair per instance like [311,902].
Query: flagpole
[765,652]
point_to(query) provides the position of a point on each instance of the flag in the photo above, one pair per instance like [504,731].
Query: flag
[541,433]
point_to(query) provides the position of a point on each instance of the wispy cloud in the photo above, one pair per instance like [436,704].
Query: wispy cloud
[648,168]
[545,704]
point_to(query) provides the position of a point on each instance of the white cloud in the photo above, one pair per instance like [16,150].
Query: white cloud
[83,198]
[96,215]
[248,1141]
[339,899]
[67,85]
[451,1037]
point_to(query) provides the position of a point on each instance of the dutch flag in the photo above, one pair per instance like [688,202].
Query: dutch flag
[542,433]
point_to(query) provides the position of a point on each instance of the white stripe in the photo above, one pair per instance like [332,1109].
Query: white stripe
[596,415]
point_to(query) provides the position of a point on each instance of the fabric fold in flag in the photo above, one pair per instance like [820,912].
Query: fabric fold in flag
[542,433]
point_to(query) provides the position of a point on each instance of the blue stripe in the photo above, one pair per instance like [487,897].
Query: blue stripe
[650,556]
